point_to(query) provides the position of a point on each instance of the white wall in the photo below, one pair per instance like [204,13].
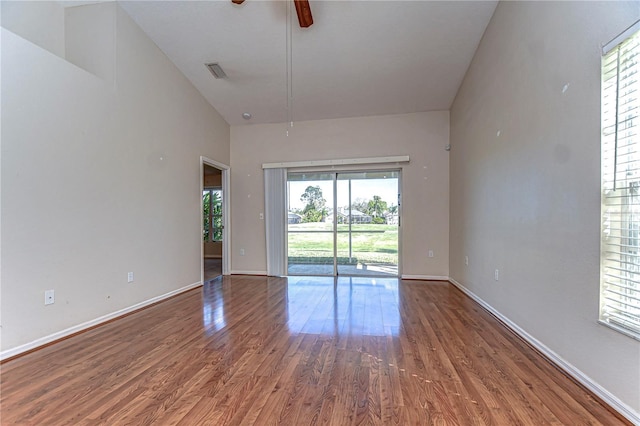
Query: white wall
[422,136]
[90,40]
[525,181]
[41,22]
[98,180]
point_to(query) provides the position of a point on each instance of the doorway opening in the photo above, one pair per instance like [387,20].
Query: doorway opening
[214,217]
[344,223]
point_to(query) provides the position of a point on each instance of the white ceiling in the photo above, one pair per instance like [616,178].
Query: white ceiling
[359,58]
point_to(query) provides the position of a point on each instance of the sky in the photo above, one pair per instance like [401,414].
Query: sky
[365,189]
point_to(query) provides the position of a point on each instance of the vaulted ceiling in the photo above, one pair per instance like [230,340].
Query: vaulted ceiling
[359,58]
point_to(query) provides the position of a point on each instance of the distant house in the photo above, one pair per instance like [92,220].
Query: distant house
[343,216]
[356,217]
[294,218]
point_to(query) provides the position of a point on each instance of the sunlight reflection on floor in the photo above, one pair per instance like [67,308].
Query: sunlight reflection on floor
[343,305]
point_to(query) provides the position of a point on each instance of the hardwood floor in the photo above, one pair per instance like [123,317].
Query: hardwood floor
[212,268]
[256,350]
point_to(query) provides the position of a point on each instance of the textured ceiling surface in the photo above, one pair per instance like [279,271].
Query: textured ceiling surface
[359,58]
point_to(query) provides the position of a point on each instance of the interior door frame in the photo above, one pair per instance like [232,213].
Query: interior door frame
[226,217]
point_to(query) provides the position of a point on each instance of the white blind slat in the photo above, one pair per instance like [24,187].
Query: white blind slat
[275,185]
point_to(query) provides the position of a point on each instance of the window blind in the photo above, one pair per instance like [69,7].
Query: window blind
[275,209]
[620,258]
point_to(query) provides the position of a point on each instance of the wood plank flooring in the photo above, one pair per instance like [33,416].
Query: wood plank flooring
[297,351]
[212,268]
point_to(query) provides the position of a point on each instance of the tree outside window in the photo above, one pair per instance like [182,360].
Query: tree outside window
[212,215]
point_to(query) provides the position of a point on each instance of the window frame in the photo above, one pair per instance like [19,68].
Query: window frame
[619,306]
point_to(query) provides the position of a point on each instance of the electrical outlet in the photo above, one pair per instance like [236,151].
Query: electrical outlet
[130,277]
[49,297]
[261,216]
[466,260]
[497,275]
[241,252]
[430,253]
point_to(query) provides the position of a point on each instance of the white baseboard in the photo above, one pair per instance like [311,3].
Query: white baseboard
[86,325]
[248,272]
[424,277]
[564,365]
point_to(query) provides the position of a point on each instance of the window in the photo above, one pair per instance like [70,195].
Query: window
[620,256]
[212,215]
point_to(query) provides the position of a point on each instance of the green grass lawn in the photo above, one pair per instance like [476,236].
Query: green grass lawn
[369,243]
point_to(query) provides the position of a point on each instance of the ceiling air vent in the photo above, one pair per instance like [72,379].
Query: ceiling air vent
[216,70]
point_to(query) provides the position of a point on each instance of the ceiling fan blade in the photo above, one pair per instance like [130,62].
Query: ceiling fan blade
[304,13]
[302,9]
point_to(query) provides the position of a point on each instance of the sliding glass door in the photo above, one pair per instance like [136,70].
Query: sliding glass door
[310,237]
[367,223]
[344,223]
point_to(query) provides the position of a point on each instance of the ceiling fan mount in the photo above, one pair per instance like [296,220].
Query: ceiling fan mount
[302,9]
